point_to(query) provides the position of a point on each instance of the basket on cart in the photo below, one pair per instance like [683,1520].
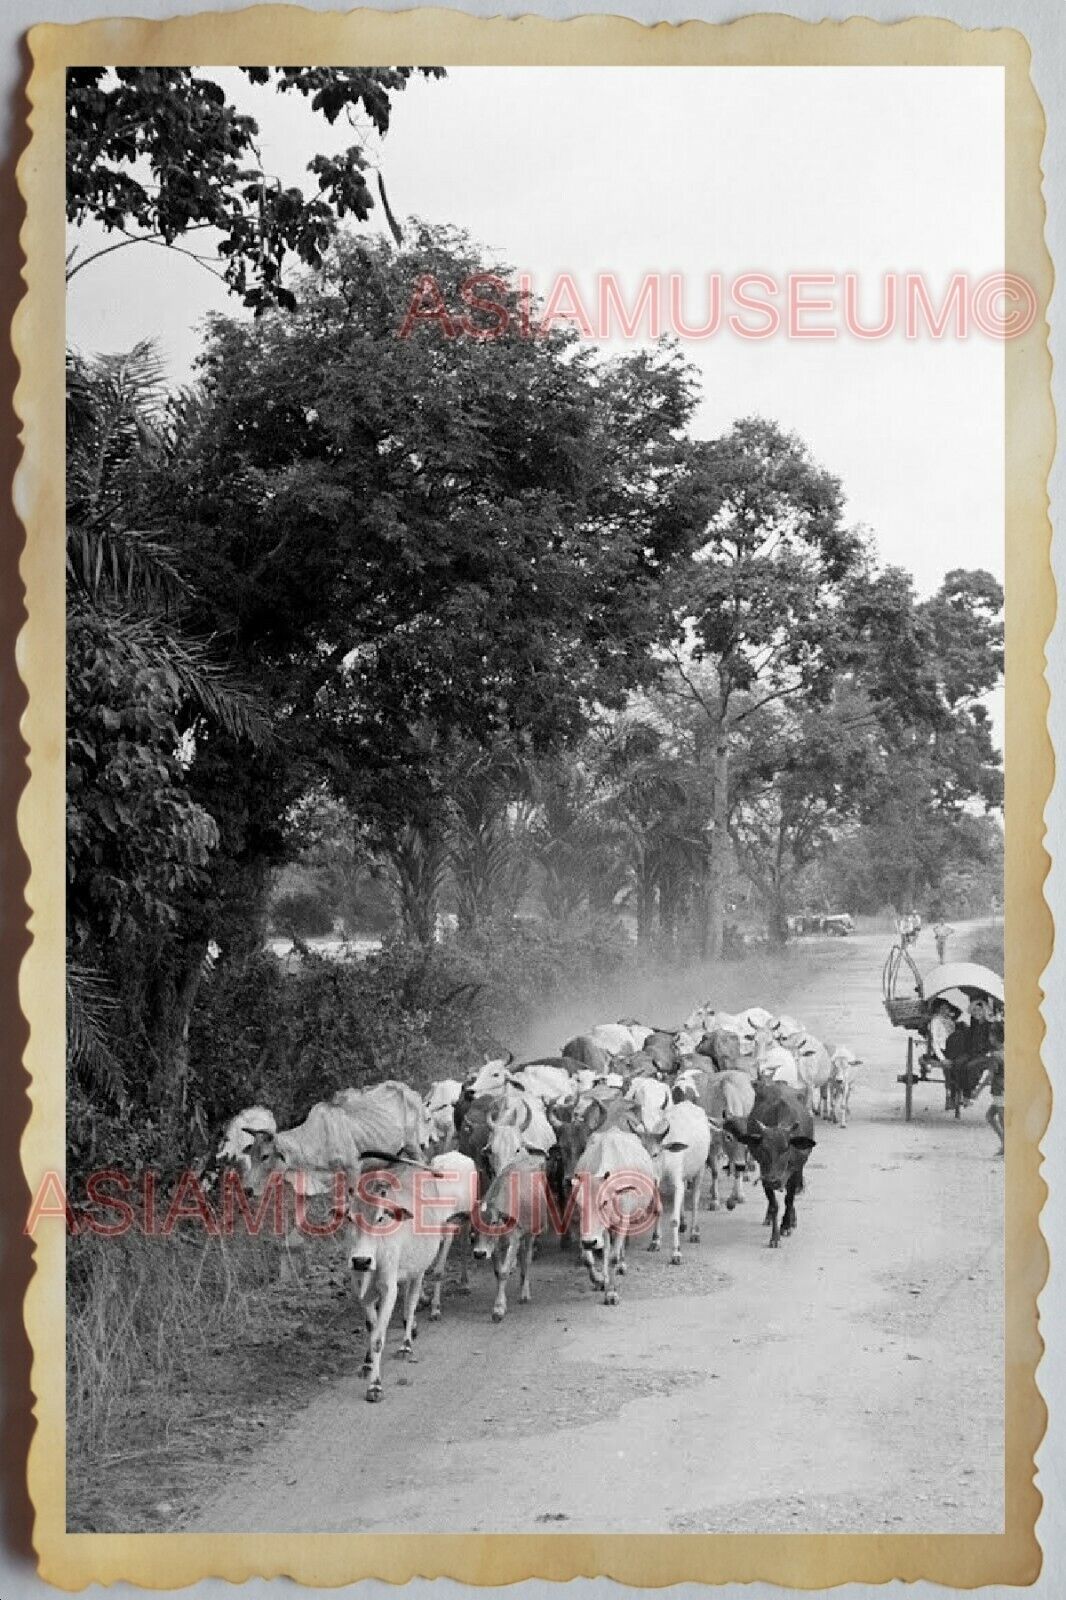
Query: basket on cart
[908,1011]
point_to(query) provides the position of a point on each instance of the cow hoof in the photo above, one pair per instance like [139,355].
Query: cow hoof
[712,1205]
[775,1244]
[653,1247]
[364,1370]
[373,1394]
[675,1259]
[434,1315]
[694,1238]
[622,1269]
[497,1316]
[611,1297]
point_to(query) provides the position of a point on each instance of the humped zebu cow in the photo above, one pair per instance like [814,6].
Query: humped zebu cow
[388,1118]
[681,1144]
[621,1038]
[589,1052]
[724,1096]
[812,1064]
[842,1064]
[514,1209]
[780,1133]
[616,1193]
[401,1215]
[773,1063]
[440,1105]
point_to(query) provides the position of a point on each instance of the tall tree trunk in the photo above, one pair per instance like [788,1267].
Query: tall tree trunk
[176,988]
[719,856]
[778,923]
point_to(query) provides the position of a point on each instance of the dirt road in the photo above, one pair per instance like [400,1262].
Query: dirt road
[850,1381]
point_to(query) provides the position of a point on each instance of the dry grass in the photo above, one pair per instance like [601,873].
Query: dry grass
[144,1316]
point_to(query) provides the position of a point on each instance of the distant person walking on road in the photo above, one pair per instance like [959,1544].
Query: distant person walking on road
[941,933]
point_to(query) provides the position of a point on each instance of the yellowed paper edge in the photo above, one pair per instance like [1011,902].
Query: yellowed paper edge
[269,35]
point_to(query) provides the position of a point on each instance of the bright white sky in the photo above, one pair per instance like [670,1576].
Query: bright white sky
[695,170]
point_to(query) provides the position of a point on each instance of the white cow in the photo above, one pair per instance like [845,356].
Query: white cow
[651,1097]
[683,1143]
[616,1191]
[334,1136]
[440,1105]
[842,1064]
[549,1083]
[621,1038]
[773,1061]
[727,1096]
[399,1215]
[812,1065]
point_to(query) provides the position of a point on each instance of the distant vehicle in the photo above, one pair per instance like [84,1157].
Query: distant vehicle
[838,924]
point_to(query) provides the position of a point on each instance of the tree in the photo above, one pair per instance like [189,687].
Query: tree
[141,693]
[427,547]
[759,603]
[158,153]
[800,777]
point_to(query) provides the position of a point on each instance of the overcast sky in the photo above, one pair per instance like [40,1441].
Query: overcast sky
[695,170]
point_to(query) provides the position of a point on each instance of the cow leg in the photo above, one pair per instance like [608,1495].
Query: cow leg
[697,1189]
[464,1242]
[436,1277]
[677,1208]
[712,1168]
[503,1259]
[736,1197]
[590,1255]
[369,1307]
[412,1293]
[792,1188]
[610,1260]
[771,1216]
[377,1338]
[525,1259]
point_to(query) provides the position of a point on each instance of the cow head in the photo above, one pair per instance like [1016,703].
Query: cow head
[774,1148]
[506,1126]
[261,1157]
[374,1210]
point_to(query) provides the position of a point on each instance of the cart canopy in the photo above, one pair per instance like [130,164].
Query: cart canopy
[966,976]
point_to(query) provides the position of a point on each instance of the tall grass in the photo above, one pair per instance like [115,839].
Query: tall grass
[149,1308]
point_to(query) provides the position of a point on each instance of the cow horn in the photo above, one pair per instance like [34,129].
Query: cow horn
[595,1116]
[527,1116]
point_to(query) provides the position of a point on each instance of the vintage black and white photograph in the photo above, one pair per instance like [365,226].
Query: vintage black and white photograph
[535,554]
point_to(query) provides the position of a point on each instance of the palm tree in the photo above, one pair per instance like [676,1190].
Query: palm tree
[134,672]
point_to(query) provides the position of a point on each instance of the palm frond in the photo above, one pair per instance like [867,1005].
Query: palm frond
[91,1020]
[125,563]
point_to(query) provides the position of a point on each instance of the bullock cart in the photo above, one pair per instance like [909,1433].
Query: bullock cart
[910,1000]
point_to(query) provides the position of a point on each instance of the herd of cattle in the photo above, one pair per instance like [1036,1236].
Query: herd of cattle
[606,1139]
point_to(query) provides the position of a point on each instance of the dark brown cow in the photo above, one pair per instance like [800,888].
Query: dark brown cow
[588,1053]
[780,1134]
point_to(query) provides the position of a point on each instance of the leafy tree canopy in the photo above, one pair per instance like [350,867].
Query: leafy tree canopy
[157,153]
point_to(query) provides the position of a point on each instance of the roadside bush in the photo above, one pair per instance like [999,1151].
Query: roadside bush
[288,1036]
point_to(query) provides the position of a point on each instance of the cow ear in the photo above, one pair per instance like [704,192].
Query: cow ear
[799,1141]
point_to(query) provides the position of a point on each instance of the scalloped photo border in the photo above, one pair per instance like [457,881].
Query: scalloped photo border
[272,34]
